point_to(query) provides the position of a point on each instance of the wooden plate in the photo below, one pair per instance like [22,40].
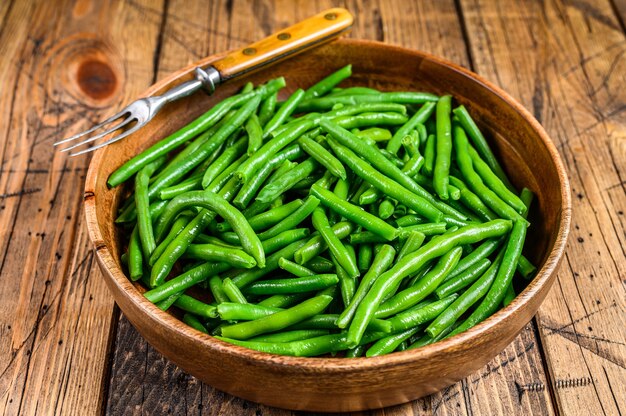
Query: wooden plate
[333,384]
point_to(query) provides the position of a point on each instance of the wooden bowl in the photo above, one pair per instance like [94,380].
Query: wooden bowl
[335,384]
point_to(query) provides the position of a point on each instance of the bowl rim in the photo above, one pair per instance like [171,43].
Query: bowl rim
[338,365]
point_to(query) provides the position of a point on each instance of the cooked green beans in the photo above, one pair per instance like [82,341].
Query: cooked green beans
[381,184]
[354,213]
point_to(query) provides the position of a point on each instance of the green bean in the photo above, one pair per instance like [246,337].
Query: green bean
[526,268]
[268,218]
[288,336]
[427,229]
[481,143]
[489,197]
[192,129]
[375,134]
[479,253]
[267,108]
[283,112]
[223,161]
[354,213]
[435,248]
[167,303]
[317,245]
[443,154]
[413,165]
[422,288]
[163,265]
[496,292]
[422,133]
[194,183]
[382,260]
[179,224]
[192,305]
[237,311]
[270,148]
[225,176]
[328,83]
[370,119]
[320,264]
[390,343]
[292,220]
[294,268]
[429,155]
[426,339]
[247,88]
[364,260]
[419,314]
[347,284]
[420,116]
[355,352]
[370,196]
[408,220]
[466,300]
[323,157]
[232,291]
[341,191]
[185,281]
[245,278]
[462,280]
[414,241]
[284,300]
[494,182]
[292,285]
[303,348]
[453,192]
[386,209]
[326,103]
[214,253]
[509,295]
[255,134]
[173,172]
[194,322]
[386,185]
[472,201]
[526,196]
[217,290]
[209,200]
[321,224]
[286,181]
[328,321]
[135,257]
[250,188]
[278,320]
[142,202]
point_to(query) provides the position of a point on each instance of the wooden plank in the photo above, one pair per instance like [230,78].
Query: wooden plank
[429,26]
[566,63]
[56,314]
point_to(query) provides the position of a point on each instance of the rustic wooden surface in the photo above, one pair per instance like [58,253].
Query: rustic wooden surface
[65,349]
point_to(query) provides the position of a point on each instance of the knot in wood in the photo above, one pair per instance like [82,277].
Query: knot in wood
[96,79]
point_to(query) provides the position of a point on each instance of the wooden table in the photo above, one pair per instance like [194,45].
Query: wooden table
[64,346]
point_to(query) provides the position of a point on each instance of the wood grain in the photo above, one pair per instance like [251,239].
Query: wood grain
[438,29]
[567,64]
[564,61]
[64,64]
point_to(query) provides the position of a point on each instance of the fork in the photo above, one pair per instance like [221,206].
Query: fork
[314,31]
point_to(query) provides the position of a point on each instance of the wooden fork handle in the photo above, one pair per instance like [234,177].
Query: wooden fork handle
[314,31]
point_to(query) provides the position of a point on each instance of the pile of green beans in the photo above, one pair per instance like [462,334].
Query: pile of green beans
[343,221]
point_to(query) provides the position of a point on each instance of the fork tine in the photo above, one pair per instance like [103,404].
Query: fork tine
[97,136]
[111,140]
[94,128]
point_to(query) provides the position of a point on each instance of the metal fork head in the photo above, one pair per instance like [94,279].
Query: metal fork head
[140,112]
